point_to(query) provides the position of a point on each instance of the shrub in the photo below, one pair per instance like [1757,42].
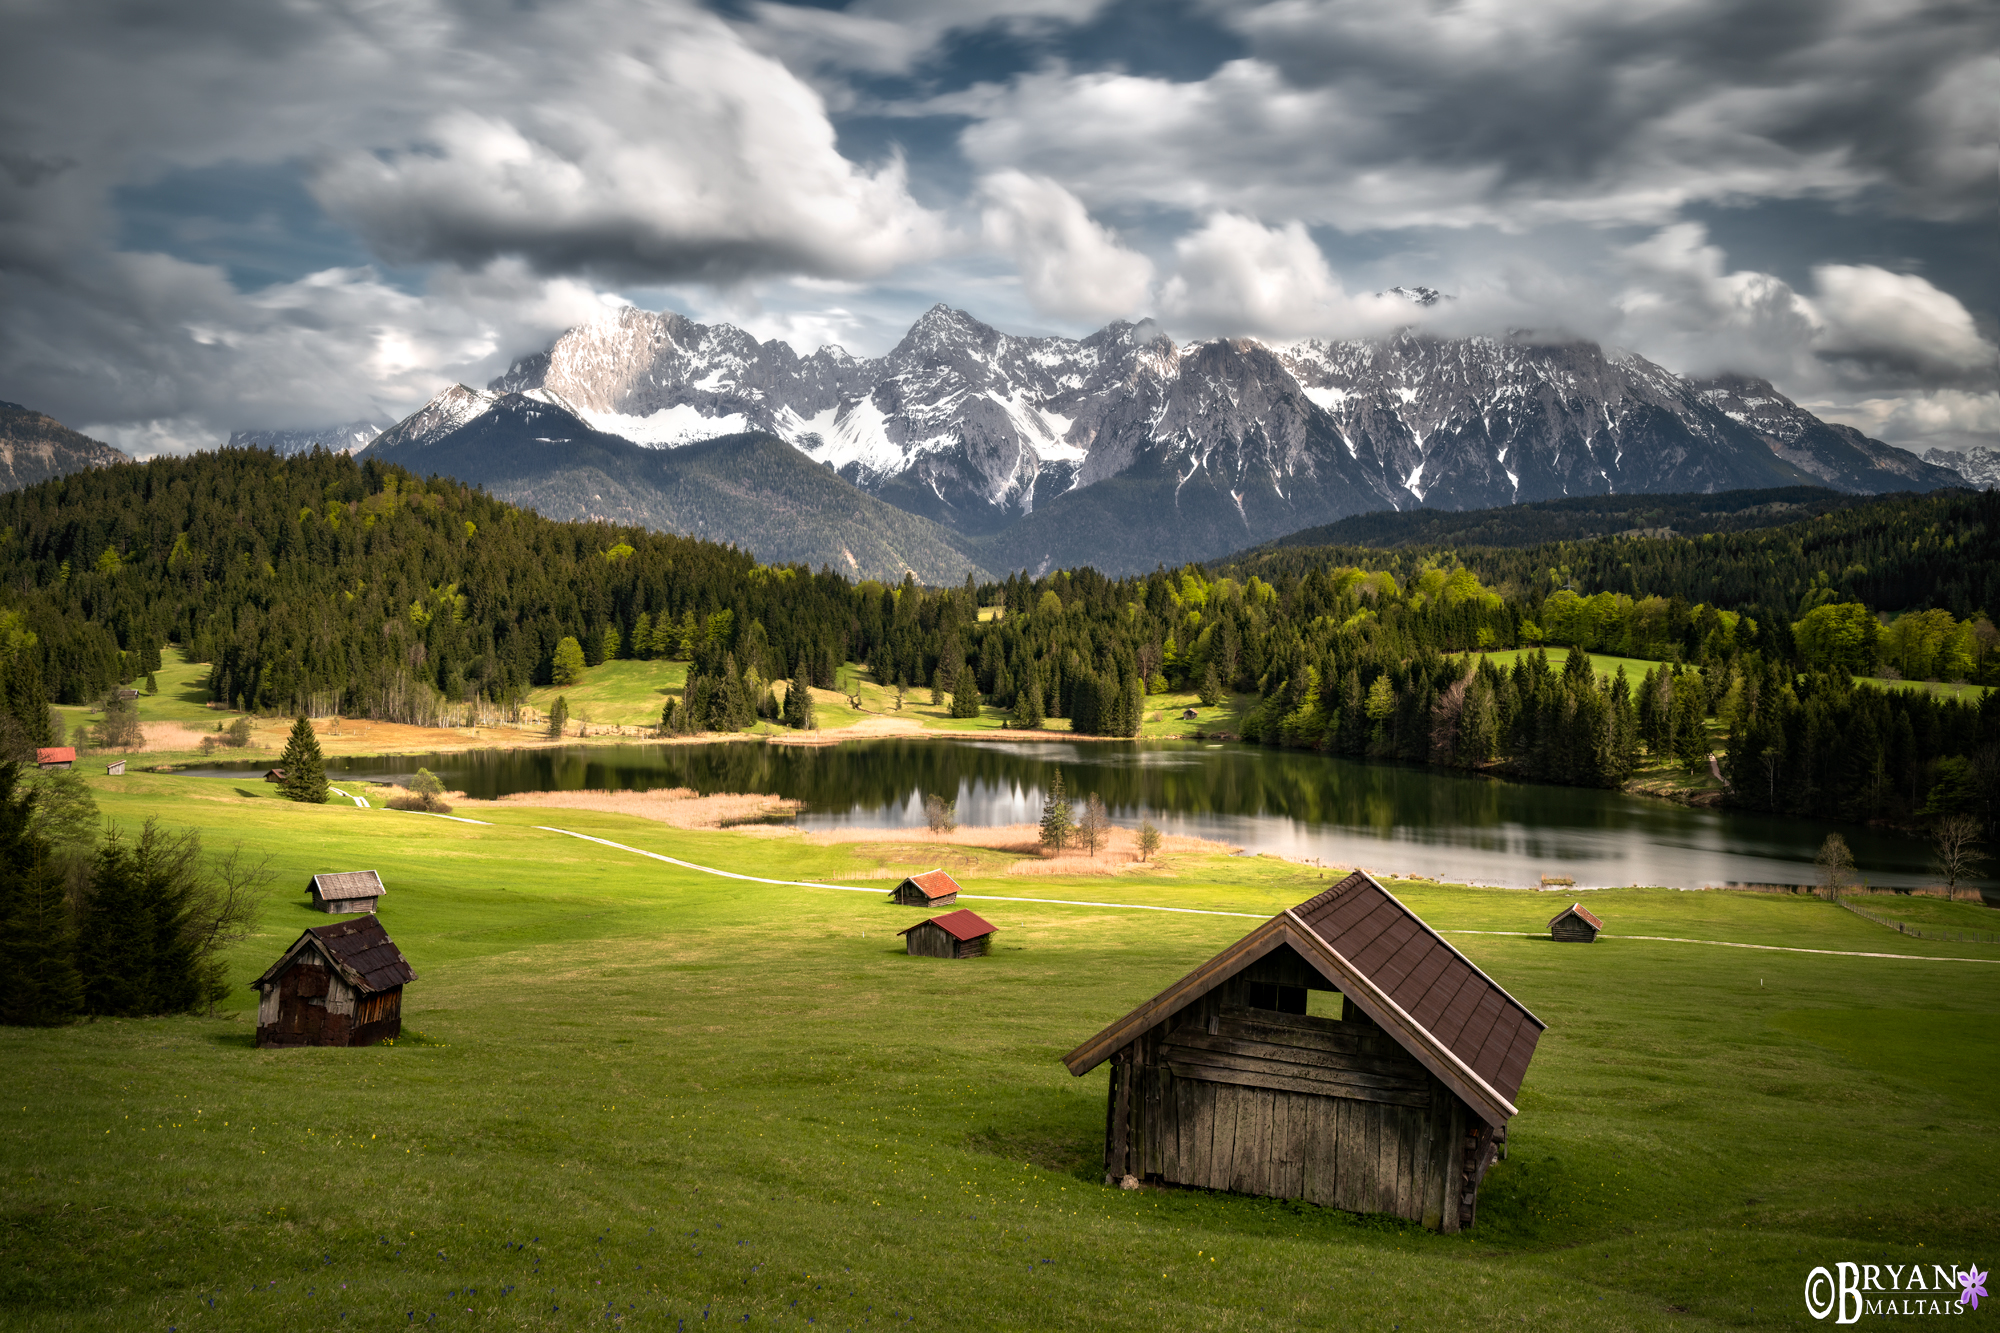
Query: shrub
[425,792]
[940,814]
[567,668]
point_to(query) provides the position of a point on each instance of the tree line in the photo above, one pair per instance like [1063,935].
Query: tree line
[318,583]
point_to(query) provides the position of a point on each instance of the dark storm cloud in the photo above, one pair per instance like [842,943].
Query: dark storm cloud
[1559,96]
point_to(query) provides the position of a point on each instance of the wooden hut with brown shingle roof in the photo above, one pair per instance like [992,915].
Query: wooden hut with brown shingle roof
[1575,925]
[346,890]
[933,888]
[340,984]
[960,934]
[1225,1081]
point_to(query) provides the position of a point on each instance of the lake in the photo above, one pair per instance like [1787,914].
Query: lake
[1386,817]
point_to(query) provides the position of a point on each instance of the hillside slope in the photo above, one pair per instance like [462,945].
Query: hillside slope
[751,489]
[34,448]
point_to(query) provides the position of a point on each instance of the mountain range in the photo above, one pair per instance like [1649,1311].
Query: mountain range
[347,438]
[1121,450]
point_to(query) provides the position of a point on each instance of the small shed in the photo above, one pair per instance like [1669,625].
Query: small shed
[346,890]
[1227,1080]
[56,756]
[128,693]
[340,984]
[959,934]
[116,769]
[1575,925]
[1189,715]
[933,888]
[275,775]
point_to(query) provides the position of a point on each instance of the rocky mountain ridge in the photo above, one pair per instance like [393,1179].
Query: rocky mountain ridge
[346,438]
[35,447]
[1124,448]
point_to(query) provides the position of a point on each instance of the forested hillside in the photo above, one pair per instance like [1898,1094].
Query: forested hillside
[318,584]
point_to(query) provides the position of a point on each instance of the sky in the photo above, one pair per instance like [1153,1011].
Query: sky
[285,214]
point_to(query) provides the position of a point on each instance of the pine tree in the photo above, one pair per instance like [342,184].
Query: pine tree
[559,716]
[1211,686]
[39,984]
[1057,822]
[116,938]
[965,700]
[1028,714]
[642,636]
[613,645]
[303,765]
[1135,705]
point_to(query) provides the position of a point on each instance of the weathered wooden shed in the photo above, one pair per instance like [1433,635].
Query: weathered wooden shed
[340,984]
[115,769]
[56,756]
[346,890]
[1225,1080]
[1575,925]
[933,888]
[960,934]
[275,775]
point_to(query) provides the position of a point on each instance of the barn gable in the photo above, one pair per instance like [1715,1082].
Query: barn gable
[1429,1053]
[337,985]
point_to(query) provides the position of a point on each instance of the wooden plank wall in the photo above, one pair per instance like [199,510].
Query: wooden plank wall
[1288,1106]
[1572,929]
[929,941]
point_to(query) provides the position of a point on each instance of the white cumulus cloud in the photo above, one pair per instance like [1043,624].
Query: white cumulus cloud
[1071,266]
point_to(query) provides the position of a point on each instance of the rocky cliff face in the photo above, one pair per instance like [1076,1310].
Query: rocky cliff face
[1978,466]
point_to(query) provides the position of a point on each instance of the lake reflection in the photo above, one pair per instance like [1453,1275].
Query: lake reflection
[1382,816]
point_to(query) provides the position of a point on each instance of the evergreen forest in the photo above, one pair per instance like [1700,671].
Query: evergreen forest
[319,584]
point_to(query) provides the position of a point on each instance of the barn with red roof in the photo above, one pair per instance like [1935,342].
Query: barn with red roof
[1393,1099]
[959,934]
[933,888]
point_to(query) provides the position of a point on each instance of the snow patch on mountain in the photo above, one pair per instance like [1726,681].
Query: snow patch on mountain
[668,427]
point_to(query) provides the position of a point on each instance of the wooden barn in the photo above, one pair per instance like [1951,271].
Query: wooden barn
[346,890]
[275,775]
[933,888]
[1575,925]
[341,984]
[115,769]
[56,756]
[959,934]
[1227,1080]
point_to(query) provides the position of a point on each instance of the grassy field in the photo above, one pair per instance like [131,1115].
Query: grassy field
[1970,694]
[617,693]
[634,1095]
[183,697]
[1607,666]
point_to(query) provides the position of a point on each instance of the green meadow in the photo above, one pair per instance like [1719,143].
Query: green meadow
[635,1095]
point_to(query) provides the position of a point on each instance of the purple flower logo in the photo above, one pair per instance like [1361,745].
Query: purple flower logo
[1975,1287]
